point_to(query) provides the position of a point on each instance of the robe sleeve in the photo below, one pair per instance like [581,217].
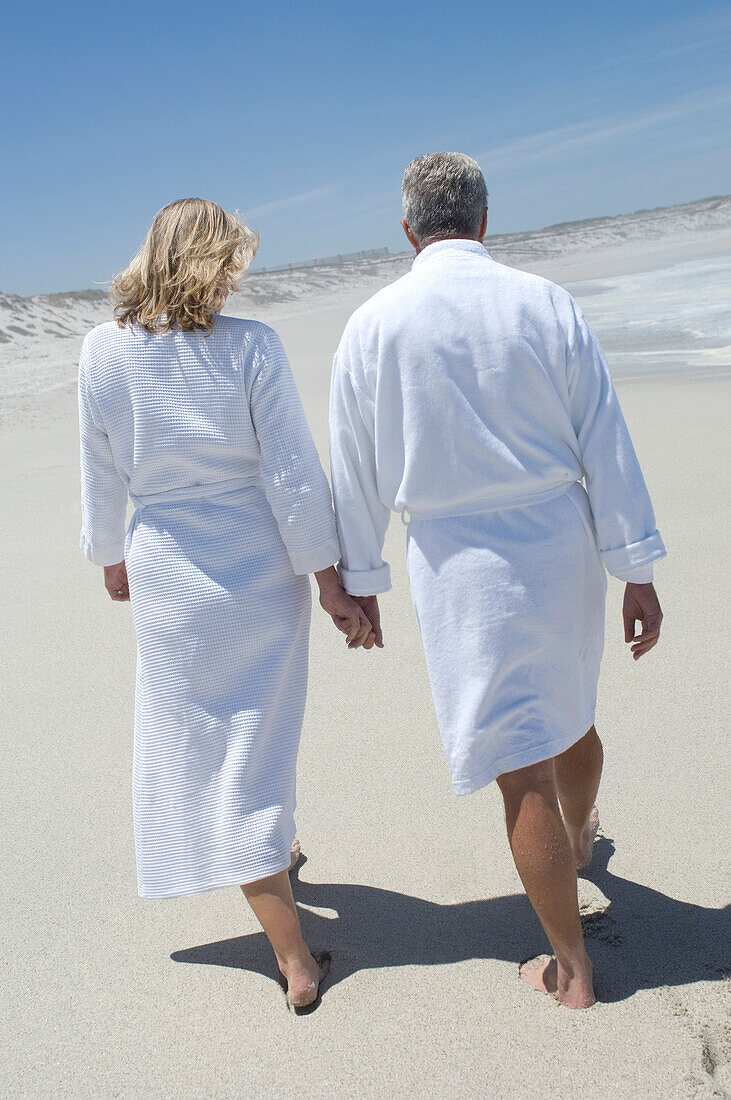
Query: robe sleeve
[625,522]
[103,492]
[362,517]
[293,478]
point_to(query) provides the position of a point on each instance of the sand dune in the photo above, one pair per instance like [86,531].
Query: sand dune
[633,260]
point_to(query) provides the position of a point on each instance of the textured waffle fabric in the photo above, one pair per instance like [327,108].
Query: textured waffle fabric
[207,435]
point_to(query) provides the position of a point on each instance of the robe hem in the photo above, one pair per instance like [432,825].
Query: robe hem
[238,880]
[518,760]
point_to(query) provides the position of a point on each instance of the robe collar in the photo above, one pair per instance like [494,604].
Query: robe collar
[456,244]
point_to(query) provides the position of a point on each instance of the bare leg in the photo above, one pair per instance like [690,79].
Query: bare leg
[547,870]
[578,771]
[274,908]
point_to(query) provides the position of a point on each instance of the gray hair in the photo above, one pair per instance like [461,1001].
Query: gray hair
[444,195]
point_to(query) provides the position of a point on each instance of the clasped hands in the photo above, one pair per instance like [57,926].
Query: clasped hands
[355,616]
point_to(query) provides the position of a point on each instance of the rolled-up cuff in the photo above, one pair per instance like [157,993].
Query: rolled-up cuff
[111,553]
[319,557]
[644,575]
[625,560]
[365,582]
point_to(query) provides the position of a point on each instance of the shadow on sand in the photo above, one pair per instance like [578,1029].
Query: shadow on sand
[638,939]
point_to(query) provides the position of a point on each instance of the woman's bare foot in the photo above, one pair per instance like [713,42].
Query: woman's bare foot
[573,990]
[303,977]
[295,852]
[582,842]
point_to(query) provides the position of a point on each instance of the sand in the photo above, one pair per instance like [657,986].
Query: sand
[412,890]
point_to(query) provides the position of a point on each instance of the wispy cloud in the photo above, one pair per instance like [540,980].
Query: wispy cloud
[291,200]
[695,34]
[564,142]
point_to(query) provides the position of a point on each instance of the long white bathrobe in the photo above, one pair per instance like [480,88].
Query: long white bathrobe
[207,435]
[474,399]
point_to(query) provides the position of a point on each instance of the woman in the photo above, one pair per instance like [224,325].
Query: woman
[196,417]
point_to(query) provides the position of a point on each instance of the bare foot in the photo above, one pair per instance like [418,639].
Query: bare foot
[295,852]
[303,978]
[544,974]
[582,842]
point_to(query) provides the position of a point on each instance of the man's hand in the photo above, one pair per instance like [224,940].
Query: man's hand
[115,581]
[641,605]
[369,605]
[344,611]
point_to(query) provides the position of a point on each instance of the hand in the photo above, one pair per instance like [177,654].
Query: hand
[369,605]
[344,611]
[115,581]
[641,605]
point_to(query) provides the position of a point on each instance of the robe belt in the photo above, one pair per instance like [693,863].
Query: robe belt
[479,507]
[195,492]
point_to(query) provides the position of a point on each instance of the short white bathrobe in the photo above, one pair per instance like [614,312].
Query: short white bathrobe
[474,399]
[207,435]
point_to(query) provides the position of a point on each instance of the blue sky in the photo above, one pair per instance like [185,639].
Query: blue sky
[302,116]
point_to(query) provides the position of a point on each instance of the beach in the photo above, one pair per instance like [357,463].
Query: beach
[411,889]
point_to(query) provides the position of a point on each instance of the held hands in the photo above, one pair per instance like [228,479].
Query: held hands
[345,611]
[115,581]
[641,605]
[369,604]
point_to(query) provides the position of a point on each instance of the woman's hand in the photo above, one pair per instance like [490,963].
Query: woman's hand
[115,581]
[641,605]
[344,610]
[369,604]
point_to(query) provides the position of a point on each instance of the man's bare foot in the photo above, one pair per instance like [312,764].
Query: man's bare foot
[582,842]
[572,991]
[303,978]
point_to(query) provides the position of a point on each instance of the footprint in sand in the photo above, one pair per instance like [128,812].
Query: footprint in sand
[595,920]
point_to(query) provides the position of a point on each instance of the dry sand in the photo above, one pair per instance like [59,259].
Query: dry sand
[412,889]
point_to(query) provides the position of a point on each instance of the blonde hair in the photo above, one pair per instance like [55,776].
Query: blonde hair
[194,255]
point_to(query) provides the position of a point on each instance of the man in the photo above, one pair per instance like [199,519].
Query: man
[474,399]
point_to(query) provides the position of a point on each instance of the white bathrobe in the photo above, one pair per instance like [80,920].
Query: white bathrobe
[206,433]
[474,399]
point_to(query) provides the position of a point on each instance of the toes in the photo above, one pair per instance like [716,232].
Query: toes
[534,968]
[531,965]
[540,973]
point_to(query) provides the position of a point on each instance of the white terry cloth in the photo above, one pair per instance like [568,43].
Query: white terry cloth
[207,434]
[473,399]
[467,385]
[510,606]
